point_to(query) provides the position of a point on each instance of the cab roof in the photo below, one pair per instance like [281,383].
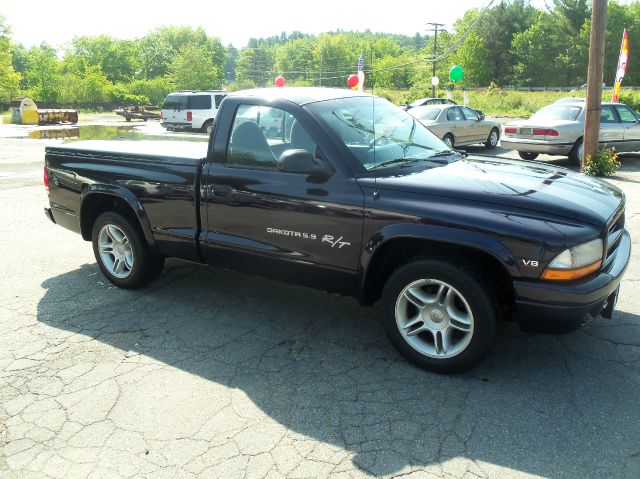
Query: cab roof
[301,95]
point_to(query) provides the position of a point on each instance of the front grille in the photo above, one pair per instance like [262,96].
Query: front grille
[614,234]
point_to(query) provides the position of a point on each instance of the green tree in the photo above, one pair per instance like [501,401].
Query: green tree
[255,65]
[193,68]
[9,78]
[117,59]
[43,73]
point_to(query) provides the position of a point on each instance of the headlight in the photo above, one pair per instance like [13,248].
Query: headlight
[576,262]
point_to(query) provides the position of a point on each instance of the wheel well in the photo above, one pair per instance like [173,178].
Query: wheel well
[96,204]
[398,252]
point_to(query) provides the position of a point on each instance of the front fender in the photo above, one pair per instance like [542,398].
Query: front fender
[483,243]
[92,190]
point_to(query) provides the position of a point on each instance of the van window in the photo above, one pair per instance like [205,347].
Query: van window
[218,99]
[175,102]
[200,102]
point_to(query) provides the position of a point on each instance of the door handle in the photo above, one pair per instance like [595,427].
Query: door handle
[222,190]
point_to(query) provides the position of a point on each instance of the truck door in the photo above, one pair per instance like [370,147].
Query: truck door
[258,217]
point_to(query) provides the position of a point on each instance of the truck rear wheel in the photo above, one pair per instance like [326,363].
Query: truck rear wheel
[439,316]
[122,253]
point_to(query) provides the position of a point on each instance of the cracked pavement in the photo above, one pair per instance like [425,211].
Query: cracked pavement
[210,373]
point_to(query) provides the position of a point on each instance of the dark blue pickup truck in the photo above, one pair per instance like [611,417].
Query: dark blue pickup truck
[346,192]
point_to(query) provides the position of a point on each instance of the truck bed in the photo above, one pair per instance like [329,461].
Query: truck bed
[162,176]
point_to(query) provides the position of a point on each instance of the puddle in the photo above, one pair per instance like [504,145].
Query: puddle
[101,132]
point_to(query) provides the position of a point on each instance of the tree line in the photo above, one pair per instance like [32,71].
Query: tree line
[511,44]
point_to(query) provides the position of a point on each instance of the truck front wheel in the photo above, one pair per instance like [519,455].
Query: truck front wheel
[121,252]
[439,316]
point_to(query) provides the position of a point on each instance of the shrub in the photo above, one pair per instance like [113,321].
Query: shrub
[604,163]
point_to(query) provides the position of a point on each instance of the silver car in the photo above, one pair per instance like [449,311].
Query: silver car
[557,129]
[458,125]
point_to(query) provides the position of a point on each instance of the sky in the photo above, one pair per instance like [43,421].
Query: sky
[235,21]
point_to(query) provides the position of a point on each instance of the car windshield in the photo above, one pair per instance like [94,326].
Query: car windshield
[425,113]
[557,112]
[379,134]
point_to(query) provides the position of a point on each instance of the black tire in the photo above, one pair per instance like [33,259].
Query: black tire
[128,118]
[492,140]
[206,125]
[144,264]
[576,153]
[448,138]
[480,300]
[525,155]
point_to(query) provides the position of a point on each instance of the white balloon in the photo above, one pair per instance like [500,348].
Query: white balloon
[435,81]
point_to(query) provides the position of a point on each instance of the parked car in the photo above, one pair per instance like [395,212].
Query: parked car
[190,110]
[458,125]
[557,129]
[570,100]
[360,199]
[429,101]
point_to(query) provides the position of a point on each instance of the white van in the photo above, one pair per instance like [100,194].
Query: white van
[190,109]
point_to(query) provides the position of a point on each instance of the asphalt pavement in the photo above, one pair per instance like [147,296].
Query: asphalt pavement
[211,373]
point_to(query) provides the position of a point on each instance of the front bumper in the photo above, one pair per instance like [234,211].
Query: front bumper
[576,302]
[536,146]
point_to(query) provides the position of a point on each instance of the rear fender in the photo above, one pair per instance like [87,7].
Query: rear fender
[117,192]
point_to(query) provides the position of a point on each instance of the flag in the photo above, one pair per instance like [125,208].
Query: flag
[622,65]
[361,71]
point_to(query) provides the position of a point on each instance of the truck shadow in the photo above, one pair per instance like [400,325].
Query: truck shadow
[321,366]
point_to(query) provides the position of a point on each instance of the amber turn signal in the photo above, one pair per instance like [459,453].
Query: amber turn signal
[556,274]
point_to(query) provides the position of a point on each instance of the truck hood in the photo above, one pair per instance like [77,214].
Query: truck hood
[547,190]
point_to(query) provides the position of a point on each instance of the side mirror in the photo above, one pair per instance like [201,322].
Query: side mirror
[301,161]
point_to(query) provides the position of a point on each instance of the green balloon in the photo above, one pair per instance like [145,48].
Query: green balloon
[456,73]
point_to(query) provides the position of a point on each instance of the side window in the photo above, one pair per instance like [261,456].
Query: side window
[200,102]
[470,114]
[455,114]
[260,134]
[607,115]
[626,115]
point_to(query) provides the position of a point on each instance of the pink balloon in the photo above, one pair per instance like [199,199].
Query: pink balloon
[279,81]
[352,80]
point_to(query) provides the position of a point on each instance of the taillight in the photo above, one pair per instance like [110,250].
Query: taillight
[189,116]
[46,181]
[544,132]
[510,129]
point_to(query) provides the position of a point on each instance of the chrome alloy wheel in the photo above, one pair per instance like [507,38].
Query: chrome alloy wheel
[493,138]
[116,252]
[434,318]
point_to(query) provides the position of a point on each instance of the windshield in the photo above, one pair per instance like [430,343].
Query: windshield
[557,112]
[380,134]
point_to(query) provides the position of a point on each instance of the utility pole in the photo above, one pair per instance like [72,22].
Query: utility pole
[594,78]
[434,29]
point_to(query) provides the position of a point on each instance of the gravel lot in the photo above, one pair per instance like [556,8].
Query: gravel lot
[209,373]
